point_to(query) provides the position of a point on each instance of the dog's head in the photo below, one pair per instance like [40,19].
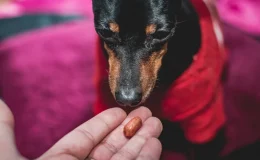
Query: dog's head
[135,35]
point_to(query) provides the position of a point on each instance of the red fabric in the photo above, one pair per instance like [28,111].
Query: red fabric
[195,98]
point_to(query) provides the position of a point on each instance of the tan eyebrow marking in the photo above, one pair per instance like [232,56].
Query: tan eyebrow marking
[150,29]
[114,27]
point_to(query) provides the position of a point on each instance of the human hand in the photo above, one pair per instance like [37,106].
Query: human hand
[100,138]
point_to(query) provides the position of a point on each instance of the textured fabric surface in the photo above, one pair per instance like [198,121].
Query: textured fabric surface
[241,100]
[242,89]
[195,99]
[46,80]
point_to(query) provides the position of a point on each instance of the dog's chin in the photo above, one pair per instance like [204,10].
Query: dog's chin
[130,106]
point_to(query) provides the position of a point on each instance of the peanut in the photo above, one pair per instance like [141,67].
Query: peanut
[132,127]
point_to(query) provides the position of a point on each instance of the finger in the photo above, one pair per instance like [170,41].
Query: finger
[115,140]
[7,148]
[6,116]
[151,151]
[81,141]
[152,128]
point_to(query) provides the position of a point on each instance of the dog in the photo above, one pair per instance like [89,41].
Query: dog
[137,35]
[152,56]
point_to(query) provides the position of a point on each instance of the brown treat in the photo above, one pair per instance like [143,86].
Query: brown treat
[132,127]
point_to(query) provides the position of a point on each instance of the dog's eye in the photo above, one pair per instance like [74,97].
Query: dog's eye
[109,36]
[104,33]
[160,35]
[157,39]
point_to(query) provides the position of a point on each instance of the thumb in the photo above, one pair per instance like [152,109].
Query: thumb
[78,143]
[8,150]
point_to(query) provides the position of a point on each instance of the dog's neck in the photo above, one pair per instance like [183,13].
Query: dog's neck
[183,45]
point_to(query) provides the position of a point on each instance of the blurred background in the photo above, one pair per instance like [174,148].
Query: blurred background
[47,50]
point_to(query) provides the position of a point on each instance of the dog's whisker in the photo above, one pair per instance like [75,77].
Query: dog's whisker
[180,22]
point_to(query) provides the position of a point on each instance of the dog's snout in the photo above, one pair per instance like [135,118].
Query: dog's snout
[128,97]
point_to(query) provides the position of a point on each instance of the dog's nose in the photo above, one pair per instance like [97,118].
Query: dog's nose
[128,97]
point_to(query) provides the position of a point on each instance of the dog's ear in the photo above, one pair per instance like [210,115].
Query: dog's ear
[177,4]
[96,4]
[186,10]
[96,7]
[175,7]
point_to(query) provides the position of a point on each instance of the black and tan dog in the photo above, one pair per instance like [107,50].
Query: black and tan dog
[151,47]
[137,35]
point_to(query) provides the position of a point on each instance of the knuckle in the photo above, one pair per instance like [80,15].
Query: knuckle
[109,146]
[87,135]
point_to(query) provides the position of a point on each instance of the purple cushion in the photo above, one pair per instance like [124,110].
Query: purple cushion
[242,89]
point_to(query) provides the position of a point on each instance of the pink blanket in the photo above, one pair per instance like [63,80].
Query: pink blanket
[46,74]
[18,7]
[243,14]
[46,79]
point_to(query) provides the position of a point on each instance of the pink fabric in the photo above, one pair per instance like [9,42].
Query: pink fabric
[18,7]
[46,80]
[243,14]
